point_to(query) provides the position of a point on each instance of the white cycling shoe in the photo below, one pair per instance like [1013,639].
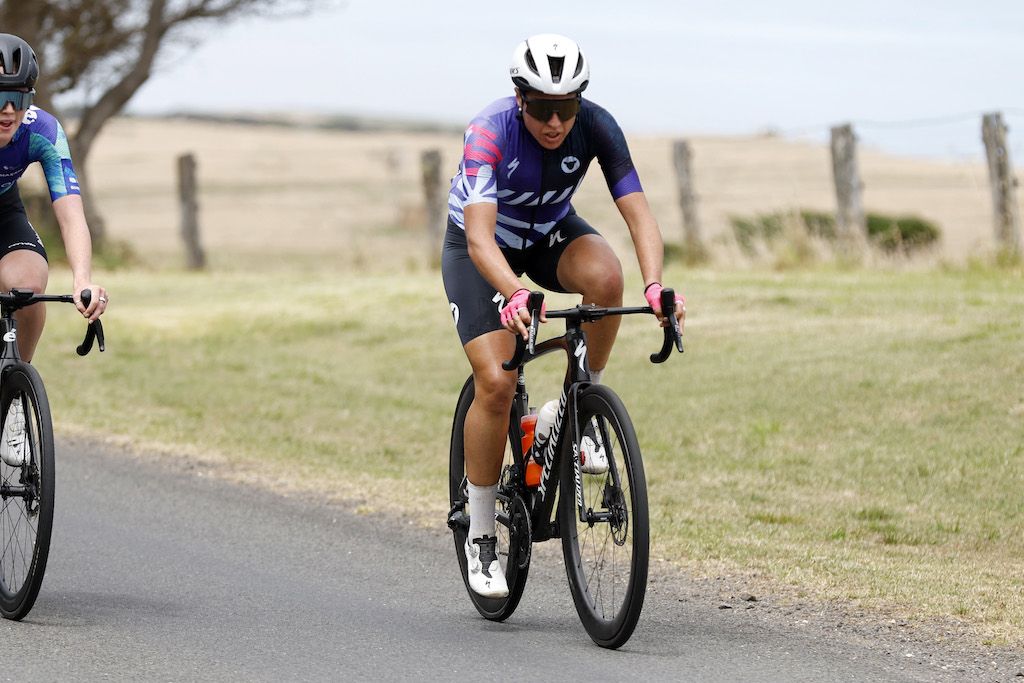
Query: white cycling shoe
[484,570]
[593,457]
[12,448]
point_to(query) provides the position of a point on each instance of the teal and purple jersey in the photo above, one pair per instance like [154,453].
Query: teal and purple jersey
[39,138]
[503,164]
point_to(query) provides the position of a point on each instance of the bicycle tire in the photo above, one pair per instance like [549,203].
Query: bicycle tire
[26,506]
[606,562]
[509,538]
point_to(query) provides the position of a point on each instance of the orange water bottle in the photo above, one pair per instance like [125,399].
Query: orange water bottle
[528,423]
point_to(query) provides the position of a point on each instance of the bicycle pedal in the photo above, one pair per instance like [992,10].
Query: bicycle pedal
[458,519]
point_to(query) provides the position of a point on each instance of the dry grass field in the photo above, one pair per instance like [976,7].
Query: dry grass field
[355,197]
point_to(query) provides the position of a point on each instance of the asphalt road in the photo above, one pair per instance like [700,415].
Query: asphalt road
[157,573]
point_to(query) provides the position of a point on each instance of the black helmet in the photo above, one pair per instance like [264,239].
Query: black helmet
[19,62]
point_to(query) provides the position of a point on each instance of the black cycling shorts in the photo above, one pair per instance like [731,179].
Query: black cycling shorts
[475,304]
[15,230]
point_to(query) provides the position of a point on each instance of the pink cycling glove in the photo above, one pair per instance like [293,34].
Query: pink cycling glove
[518,300]
[653,296]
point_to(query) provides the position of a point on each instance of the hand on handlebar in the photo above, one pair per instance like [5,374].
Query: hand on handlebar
[515,316]
[653,296]
[91,301]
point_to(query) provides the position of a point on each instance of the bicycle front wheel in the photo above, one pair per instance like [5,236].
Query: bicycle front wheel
[606,548]
[26,488]
[512,526]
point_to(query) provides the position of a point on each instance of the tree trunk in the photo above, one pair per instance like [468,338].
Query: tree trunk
[113,100]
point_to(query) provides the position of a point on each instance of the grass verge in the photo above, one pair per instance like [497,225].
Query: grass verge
[855,436]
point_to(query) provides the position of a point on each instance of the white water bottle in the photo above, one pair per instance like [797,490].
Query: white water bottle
[545,421]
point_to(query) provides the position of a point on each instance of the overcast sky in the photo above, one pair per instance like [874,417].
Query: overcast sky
[914,77]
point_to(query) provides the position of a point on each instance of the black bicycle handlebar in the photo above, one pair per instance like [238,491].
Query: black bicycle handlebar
[673,334]
[94,332]
[591,313]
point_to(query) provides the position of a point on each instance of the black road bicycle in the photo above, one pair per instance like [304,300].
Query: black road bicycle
[602,519]
[26,459]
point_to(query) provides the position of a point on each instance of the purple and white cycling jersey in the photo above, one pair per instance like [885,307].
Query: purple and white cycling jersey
[503,164]
[39,138]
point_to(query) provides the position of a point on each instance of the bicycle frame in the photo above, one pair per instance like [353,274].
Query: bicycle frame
[541,499]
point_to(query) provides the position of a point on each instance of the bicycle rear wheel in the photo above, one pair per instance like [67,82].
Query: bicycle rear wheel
[606,559]
[511,526]
[26,488]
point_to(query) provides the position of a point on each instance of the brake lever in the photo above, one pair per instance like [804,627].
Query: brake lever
[673,333]
[94,332]
[534,304]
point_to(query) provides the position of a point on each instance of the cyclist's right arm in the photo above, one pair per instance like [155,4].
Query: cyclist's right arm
[481,219]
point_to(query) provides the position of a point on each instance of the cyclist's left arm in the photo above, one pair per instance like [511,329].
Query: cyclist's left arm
[646,235]
[74,232]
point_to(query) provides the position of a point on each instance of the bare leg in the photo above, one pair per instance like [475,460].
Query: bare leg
[23,269]
[487,420]
[589,267]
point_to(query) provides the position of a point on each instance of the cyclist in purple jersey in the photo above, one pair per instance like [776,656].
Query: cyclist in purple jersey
[509,214]
[29,134]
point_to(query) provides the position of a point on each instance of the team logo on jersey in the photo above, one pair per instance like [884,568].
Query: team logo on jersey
[570,164]
[556,236]
[30,115]
[512,166]
[455,311]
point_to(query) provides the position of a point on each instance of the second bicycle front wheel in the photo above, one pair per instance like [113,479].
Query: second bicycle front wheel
[607,547]
[26,488]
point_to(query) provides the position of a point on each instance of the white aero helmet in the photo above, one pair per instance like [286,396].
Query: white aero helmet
[551,64]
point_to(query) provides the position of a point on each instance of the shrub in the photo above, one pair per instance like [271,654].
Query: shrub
[895,235]
[903,234]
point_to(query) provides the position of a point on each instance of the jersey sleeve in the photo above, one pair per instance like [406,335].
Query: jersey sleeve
[480,157]
[49,146]
[613,155]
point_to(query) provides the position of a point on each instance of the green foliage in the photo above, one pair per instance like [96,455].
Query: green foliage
[902,234]
[786,233]
[686,254]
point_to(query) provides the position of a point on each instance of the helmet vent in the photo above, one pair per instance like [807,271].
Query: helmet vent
[556,64]
[579,66]
[530,63]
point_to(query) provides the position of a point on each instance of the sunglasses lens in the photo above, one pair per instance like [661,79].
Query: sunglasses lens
[544,109]
[20,100]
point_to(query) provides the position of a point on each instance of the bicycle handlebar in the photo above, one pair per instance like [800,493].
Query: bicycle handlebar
[673,335]
[94,332]
[20,298]
[592,313]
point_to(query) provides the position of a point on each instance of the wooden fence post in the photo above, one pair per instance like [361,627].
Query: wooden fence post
[1005,213]
[681,156]
[195,258]
[434,196]
[850,220]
